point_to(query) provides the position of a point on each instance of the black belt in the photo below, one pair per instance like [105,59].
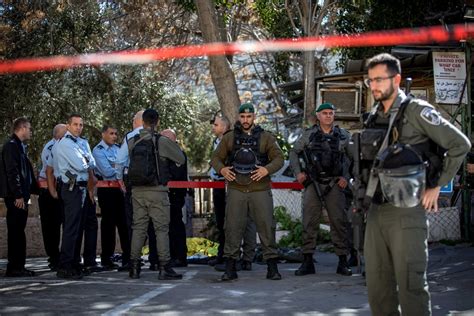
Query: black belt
[78,183]
[81,183]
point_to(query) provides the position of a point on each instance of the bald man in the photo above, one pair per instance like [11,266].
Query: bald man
[49,205]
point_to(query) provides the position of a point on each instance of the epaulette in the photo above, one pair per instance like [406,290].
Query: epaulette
[100,147]
[71,138]
[118,145]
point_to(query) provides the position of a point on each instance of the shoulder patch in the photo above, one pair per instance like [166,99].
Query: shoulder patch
[50,147]
[71,138]
[431,116]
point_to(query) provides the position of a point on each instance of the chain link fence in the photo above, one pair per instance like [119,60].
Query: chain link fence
[443,225]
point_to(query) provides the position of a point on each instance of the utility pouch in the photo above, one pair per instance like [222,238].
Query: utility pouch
[370,142]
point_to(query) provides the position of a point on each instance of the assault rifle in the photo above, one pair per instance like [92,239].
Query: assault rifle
[359,207]
[309,162]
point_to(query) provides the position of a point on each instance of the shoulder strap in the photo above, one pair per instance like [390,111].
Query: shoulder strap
[373,177]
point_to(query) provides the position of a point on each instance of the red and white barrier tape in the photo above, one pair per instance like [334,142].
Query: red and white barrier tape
[188,185]
[422,35]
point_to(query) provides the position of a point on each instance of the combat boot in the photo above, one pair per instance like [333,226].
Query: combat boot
[272,270]
[343,267]
[135,269]
[167,273]
[307,267]
[230,270]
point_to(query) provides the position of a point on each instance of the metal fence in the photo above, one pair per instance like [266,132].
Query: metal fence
[443,225]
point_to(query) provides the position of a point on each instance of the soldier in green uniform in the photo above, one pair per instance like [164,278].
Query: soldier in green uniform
[245,157]
[396,235]
[151,156]
[324,146]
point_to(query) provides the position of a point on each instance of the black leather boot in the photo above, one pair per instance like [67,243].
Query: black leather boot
[167,273]
[230,270]
[272,270]
[135,269]
[307,267]
[343,267]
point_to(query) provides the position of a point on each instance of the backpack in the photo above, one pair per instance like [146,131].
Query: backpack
[142,170]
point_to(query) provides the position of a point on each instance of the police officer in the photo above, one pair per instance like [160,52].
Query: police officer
[324,147]
[74,167]
[49,206]
[148,172]
[220,125]
[396,235]
[246,157]
[17,184]
[177,231]
[111,200]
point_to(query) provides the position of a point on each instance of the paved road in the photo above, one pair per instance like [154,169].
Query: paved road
[451,278]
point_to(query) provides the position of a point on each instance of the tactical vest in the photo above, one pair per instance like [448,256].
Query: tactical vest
[144,160]
[252,142]
[375,129]
[326,153]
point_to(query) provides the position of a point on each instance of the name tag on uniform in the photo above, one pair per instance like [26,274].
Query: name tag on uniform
[448,188]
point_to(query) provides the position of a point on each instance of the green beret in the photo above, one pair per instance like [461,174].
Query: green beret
[325,106]
[246,108]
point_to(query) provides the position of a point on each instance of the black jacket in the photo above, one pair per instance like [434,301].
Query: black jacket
[17,170]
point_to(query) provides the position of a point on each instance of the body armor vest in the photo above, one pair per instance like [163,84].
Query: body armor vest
[326,154]
[374,133]
[252,142]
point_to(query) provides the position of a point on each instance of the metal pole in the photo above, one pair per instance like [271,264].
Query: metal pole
[466,127]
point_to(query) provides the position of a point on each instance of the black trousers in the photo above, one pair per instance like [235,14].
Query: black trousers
[51,215]
[89,228]
[74,213]
[112,206]
[218,196]
[177,233]
[129,212]
[16,223]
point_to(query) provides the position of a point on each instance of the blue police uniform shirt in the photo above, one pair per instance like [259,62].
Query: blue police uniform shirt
[87,151]
[70,155]
[45,155]
[105,157]
[122,160]
[52,162]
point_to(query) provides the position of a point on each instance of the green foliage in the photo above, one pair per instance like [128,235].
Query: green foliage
[294,227]
[373,15]
[284,145]
[103,95]
[275,20]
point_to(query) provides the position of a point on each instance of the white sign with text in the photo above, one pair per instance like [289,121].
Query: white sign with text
[449,70]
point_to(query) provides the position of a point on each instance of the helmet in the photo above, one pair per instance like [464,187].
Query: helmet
[244,161]
[402,175]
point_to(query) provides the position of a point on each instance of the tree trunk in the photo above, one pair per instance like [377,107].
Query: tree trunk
[220,69]
[309,87]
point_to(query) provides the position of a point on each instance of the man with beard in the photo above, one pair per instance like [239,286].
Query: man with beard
[410,133]
[246,157]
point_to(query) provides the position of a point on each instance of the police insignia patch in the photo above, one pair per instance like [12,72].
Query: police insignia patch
[431,116]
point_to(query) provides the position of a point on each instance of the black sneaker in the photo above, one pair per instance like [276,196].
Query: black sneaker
[21,273]
[167,273]
[74,274]
[109,265]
